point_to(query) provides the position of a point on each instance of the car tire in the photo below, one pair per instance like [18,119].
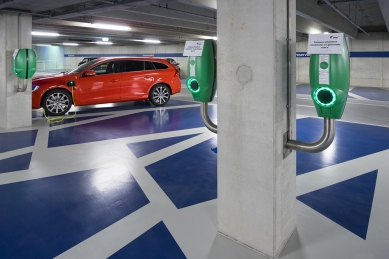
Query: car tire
[159,95]
[57,102]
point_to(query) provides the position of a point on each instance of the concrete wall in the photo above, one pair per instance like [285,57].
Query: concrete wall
[49,57]
[54,55]
[372,72]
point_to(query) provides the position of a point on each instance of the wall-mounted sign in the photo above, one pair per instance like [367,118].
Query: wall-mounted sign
[331,43]
[193,48]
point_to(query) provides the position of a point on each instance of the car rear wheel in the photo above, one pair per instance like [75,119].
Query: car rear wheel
[159,95]
[57,102]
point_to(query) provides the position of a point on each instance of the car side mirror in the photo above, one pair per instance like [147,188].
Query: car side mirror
[90,73]
[177,64]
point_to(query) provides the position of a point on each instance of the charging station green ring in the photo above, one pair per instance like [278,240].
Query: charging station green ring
[319,102]
[189,83]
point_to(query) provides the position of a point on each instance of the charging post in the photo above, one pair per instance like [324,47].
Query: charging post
[329,76]
[202,81]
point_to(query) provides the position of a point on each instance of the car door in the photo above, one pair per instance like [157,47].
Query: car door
[103,87]
[136,79]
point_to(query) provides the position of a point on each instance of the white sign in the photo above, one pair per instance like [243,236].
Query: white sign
[331,43]
[324,69]
[193,48]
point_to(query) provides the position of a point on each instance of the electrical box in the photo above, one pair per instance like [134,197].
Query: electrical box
[329,76]
[202,81]
[24,63]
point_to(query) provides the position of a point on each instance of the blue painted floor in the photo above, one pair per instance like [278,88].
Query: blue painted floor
[128,184]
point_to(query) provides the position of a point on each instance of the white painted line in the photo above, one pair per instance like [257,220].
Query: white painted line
[357,96]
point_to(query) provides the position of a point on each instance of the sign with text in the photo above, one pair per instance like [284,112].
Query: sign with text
[193,48]
[331,43]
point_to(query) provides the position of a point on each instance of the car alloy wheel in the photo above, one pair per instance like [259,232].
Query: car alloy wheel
[57,102]
[159,95]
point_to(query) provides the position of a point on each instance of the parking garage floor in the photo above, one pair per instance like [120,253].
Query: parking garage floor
[124,181]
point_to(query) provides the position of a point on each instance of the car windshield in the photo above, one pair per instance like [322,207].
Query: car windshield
[83,66]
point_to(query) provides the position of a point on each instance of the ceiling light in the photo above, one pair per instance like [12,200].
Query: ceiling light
[70,44]
[151,41]
[43,45]
[314,31]
[104,42]
[39,33]
[110,27]
[105,39]
[214,38]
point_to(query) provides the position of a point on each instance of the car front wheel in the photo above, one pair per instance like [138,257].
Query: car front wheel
[57,102]
[159,95]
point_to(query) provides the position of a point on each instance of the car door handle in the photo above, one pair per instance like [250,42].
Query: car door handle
[114,80]
[147,77]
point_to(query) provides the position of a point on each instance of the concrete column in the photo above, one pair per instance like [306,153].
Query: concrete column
[15,108]
[256,185]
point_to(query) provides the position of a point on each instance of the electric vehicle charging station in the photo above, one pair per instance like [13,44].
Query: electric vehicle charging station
[329,76]
[329,79]
[202,81]
[24,62]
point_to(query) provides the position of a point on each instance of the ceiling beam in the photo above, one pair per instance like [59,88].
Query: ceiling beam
[384,5]
[325,16]
[9,3]
[81,11]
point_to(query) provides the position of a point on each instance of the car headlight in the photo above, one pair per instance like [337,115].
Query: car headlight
[34,88]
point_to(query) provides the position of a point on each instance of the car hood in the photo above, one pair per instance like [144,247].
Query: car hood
[48,76]
[60,78]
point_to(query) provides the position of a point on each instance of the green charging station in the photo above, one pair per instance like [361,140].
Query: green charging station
[202,81]
[24,63]
[329,77]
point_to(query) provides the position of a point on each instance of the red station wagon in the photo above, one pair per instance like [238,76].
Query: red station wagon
[107,80]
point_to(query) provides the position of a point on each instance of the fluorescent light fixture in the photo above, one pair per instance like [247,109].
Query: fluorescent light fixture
[151,41]
[110,27]
[70,44]
[44,45]
[105,39]
[326,32]
[209,37]
[40,33]
[314,31]
[104,42]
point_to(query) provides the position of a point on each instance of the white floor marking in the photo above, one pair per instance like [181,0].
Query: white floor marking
[334,174]
[357,96]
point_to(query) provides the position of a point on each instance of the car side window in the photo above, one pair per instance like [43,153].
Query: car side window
[149,66]
[158,65]
[107,68]
[133,65]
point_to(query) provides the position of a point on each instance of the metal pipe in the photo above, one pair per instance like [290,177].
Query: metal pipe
[289,73]
[204,116]
[342,14]
[318,146]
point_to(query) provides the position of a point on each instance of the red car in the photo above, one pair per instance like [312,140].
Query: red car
[107,80]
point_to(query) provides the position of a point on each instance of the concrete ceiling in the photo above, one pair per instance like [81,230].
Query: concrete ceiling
[175,21]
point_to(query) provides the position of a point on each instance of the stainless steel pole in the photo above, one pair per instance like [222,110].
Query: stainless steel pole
[318,146]
[204,116]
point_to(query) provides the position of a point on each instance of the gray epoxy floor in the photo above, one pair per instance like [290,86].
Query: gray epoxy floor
[194,228]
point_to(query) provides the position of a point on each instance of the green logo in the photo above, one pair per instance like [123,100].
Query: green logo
[323,65]
[192,62]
